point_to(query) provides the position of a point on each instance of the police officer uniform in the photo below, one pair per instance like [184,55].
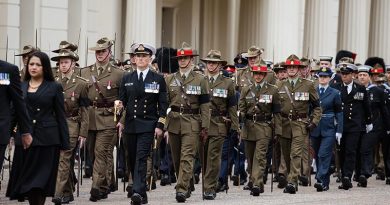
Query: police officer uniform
[297,97]
[259,105]
[223,110]
[143,94]
[357,120]
[189,115]
[103,90]
[76,101]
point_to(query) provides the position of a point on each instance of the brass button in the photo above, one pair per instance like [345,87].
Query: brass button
[135,110]
[135,105]
[38,109]
[34,121]
[135,116]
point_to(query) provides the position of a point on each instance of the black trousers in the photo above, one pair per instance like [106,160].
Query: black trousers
[386,153]
[349,147]
[139,148]
[365,158]
[2,153]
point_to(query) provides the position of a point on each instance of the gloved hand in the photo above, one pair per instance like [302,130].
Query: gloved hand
[203,135]
[338,137]
[369,128]
[311,126]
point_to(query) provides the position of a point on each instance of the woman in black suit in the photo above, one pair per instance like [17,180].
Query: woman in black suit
[35,169]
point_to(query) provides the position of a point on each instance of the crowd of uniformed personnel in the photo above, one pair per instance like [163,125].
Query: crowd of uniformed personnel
[171,119]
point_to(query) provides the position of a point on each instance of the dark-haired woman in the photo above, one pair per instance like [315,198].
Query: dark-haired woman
[34,170]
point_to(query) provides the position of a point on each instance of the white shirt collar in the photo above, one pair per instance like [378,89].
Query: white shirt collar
[325,87]
[144,72]
[186,73]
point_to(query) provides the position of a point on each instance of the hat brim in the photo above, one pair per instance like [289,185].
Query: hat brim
[214,60]
[24,53]
[324,74]
[142,52]
[57,58]
[98,48]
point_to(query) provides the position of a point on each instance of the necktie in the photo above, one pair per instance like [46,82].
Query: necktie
[292,84]
[211,81]
[141,77]
[258,87]
[100,70]
[64,81]
[183,77]
[322,91]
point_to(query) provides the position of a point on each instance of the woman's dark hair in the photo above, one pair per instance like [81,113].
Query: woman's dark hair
[46,66]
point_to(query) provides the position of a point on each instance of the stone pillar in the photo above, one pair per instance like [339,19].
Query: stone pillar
[379,42]
[141,22]
[354,27]
[321,23]
[275,25]
[232,29]
[9,21]
[78,21]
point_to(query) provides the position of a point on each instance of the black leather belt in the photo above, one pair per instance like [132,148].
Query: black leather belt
[102,104]
[183,110]
[259,118]
[296,116]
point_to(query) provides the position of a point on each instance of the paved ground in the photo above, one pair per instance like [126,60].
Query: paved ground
[376,193]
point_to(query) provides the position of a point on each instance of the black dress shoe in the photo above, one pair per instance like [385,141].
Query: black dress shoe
[136,199]
[265,179]
[303,180]
[164,180]
[222,188]
[192,185]
[282,182]
[275,179]
[362,181]
[345,183]
[87,172]
[209,195]
[180,197]
[144,200]
[95,195]
[188,194]
[255,191]
[319,187]
[56,200]
[290,189]
[249,186]
[388,180]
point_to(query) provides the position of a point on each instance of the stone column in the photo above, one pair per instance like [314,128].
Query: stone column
[321,23]
[353,29]
[232,29]
[379,42]
[140,22]
[10,27]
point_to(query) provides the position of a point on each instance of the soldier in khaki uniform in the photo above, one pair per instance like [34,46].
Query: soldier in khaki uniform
[244,75]
[297,95]
[259,104]
[25,54]
[188,117]
[104,80]
[223,108]
[68,46]
[76,105]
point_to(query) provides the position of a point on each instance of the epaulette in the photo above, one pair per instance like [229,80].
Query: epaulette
[272,85]
[81,78]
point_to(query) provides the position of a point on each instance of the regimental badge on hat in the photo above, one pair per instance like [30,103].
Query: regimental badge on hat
[102,44]
[293,60]
[261,67]
[346,67]
[143,48]
[185,50]
[324,71]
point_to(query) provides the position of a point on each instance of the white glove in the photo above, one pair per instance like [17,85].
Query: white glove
[369,128]
[338,137]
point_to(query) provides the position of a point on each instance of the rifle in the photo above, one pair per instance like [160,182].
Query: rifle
[78,171]
[114,46]
[273,157]
[36,38]
[86,53]
[228,126]
[78,40]
[203,165]
[6,51]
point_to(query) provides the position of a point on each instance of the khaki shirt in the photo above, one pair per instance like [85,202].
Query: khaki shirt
[263,102]
[195,96]
[108,82]
[222,100]
[76,105]
[303,97]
